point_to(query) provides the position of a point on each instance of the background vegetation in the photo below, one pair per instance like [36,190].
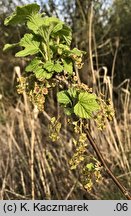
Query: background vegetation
[102,28]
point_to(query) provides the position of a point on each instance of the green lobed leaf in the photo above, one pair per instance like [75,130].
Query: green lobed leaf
[40,73]
[72,92]
[86,105]
[44,32]
[63,98]
[64,32]
[34,22]
[46,25]
[21,14]
[80,111]
[51,67]
[58,67]
[31,45]
[68,65]
[88,100]
[36,66]
[50,26]
[33,65]
[43,26]
[57,27]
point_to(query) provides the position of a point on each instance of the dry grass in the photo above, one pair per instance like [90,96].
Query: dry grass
[115,141]
[32,167]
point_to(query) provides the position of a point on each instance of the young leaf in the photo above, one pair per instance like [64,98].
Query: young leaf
[66,34]
[21,14]
[44,32]
[33,65]
[50,20]
[31,46]
[68,111]
[89,101]
[10,46]
[76,51]
[86,105]
[51,67]
[68,66]
[62,46]
[58,67]
[36,66]
[48,28]
[68,39]
[58,27]
[59,48]
[34,22]
[90,166]
[80,111]
[63,98]
[40,73]
[72,92]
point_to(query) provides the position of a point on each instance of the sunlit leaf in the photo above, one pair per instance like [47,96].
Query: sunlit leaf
[21,14]
[58,67]
[66,34]
[76,51]
[63,98]
[90,166]
[34,22]
[72,92]
[31,45]
[10,46]
[41,73]
[68,65]
[86,105]
[80,111]
[51,66]
[57,28]
[33,65]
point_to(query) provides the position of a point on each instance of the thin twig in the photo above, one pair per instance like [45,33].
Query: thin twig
[99,155]
[71,190]
[32,160]
[90,42]
[114,64]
